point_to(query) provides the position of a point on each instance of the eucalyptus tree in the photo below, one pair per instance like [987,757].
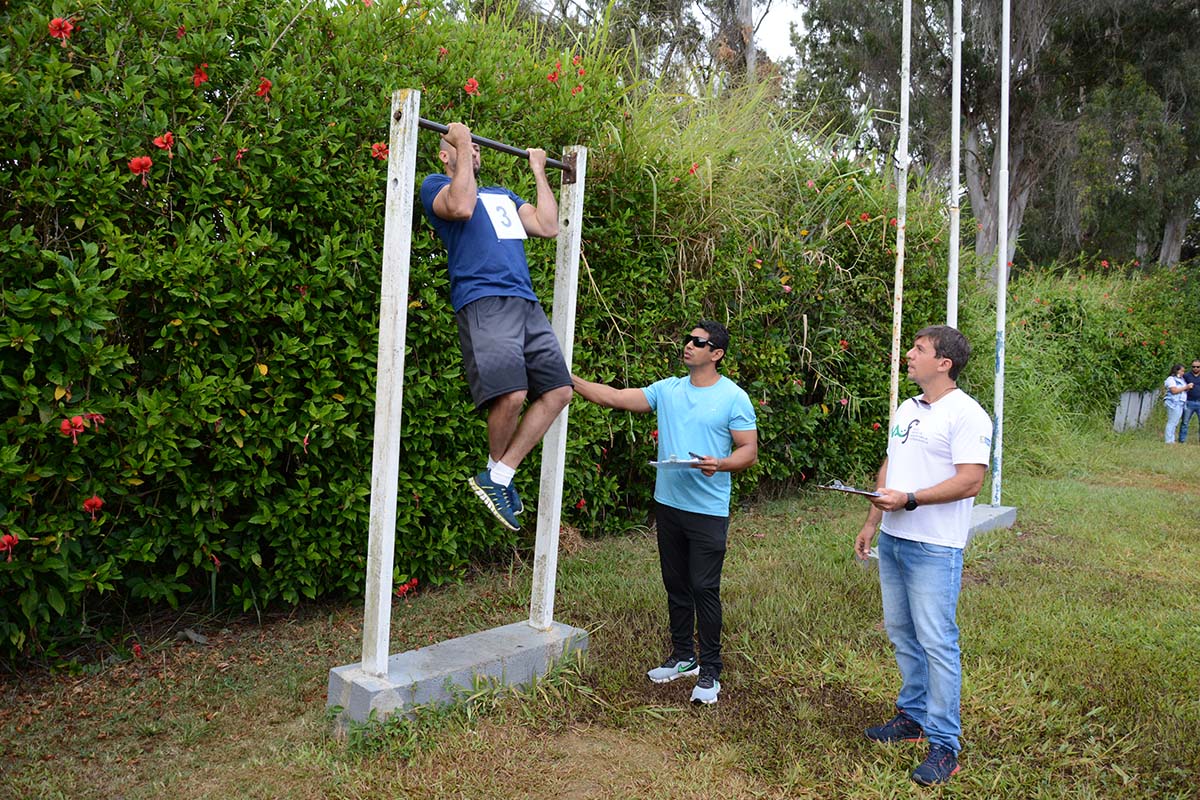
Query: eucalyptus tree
[1064,55]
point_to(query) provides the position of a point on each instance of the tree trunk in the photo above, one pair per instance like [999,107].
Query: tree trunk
[745,18]
[1173,233]
[1022,178]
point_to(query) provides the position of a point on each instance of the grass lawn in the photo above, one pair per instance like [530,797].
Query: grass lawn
[1080,635]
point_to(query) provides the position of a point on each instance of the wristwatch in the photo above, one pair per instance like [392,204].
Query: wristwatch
[911,505]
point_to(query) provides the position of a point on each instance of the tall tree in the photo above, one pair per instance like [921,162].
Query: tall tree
[1061,53]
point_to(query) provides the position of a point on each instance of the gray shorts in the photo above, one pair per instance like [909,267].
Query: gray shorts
[508,346]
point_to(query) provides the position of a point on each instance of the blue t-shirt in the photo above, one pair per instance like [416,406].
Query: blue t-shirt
[698,420]
[480,263]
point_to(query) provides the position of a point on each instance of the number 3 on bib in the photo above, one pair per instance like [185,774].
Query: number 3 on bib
[503,213]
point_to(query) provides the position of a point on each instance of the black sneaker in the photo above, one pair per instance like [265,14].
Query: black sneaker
[900,728]
[937,768]
[707,687]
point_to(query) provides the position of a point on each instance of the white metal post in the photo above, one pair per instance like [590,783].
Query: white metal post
[389,383]
[554,443]
[901,208]
[1001,189]
[955,127]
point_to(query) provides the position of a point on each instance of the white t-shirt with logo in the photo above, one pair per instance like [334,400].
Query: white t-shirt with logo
[924,445]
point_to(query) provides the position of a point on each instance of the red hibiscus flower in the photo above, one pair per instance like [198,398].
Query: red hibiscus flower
[471,86]
[576,61]
[553,77]
[7,543]
[692,169]
[442,53]
[864,216]
[165,142]
[140,165]
[61,29]
[582,72]
[72,427]
[892,222]
[368,3]
[137,650]
[199,76]
[844,401]
[180,31]
[216,561]
[874,426]
[581,503]
[1104,264]
[241,151]
[93,505]
[264,87]
[379,150]
[95,419]
[654,434]
[578,88]
[843,344]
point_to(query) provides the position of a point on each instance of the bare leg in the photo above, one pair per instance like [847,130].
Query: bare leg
[533,426]
[503,417]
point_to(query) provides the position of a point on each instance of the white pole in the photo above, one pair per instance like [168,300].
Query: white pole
[901,207]
[955,125]
[1001,189]
[554,443]
[389,384]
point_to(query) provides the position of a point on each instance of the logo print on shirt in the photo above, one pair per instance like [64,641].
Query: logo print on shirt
[904,434]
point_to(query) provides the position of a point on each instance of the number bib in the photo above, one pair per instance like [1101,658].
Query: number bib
[503,213]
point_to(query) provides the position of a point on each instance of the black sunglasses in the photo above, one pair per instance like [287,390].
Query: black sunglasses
[699,341]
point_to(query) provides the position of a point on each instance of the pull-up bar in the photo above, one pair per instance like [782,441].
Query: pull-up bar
[568,168]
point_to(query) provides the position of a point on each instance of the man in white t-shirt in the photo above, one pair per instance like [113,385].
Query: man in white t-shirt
[938,449]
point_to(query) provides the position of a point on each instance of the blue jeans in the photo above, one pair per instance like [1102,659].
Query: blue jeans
[920,583]
[1173,415]
[1192,407]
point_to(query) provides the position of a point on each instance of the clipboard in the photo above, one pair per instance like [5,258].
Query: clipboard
[838,486]
[689,463]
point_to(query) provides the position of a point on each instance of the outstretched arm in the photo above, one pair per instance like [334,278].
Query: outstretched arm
[609,397]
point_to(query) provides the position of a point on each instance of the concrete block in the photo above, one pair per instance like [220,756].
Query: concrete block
[513,655]
[990,518]
[983,519]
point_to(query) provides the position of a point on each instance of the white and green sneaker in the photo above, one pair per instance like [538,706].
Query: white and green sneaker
[673,668]
[707,688]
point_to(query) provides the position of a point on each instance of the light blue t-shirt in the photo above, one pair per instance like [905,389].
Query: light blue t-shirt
[480,263]
[698,420]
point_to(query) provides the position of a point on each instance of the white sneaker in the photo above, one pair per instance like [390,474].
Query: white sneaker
[707,689]
[673,668]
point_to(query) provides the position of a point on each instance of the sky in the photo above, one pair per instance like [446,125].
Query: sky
[773,32]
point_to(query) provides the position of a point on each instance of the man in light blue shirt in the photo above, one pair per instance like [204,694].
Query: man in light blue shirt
[708,420]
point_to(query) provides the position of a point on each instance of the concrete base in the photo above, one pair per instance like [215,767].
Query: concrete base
[991,518]
[983,519]
[513,655]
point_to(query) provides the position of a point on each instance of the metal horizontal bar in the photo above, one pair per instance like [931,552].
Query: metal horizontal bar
[483,141]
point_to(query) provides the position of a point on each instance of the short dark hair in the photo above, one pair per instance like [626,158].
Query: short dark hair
[1175,369]
[718,335]
[948,343]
